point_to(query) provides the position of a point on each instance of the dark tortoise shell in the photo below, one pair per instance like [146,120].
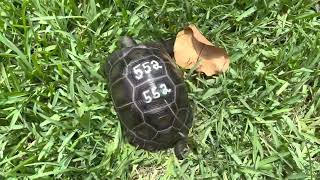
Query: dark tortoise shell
[149,95]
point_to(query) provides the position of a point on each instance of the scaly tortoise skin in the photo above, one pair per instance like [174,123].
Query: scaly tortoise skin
[149,95]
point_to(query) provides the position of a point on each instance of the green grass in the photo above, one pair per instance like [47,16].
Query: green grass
[260,120]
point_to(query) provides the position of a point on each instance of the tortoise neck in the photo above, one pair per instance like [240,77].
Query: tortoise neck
[127,41]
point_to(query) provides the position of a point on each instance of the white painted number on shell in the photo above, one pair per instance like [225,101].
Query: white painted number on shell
[147,97]
[155,65]
[145,68]
[155,92]
[164,89]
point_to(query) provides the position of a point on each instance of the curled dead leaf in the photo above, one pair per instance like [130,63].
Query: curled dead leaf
[191,46]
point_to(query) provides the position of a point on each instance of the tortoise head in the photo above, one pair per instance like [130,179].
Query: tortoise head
[127,41]
[168,44]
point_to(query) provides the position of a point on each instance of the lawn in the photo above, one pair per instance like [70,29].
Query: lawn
[259,120]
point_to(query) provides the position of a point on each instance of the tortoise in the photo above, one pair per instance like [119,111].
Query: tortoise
[149,95]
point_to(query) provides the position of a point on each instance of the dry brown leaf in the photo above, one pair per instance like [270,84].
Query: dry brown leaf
[191,46]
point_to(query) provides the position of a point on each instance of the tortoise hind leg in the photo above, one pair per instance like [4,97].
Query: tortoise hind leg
[180,149]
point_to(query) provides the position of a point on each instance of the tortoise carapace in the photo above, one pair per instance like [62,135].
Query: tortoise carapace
[149,95]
